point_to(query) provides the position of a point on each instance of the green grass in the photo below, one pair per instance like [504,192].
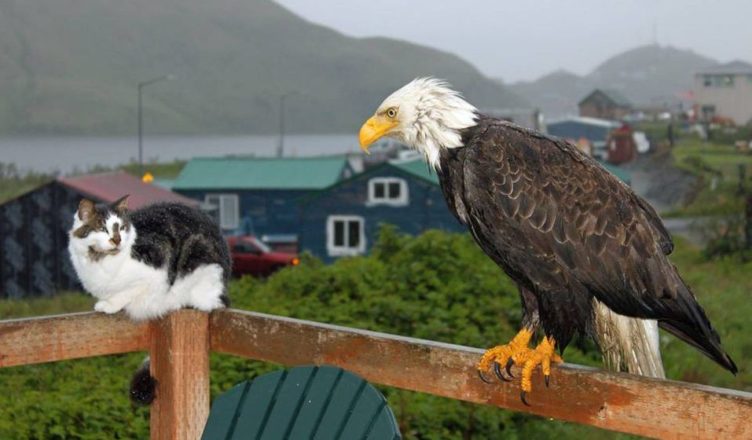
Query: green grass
[67,302]
[14,187]
[723,158]
[167,170]
[14,183]
[711,161]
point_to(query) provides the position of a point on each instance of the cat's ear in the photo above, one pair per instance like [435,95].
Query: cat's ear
[85,210]
[121,205]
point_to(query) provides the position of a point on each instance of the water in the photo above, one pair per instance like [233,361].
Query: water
[67,154]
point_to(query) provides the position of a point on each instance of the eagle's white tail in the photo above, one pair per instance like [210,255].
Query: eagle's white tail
[629,344]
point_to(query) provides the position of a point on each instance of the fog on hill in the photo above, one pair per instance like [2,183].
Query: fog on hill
[72,67]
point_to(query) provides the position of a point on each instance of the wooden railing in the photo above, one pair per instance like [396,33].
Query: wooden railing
[180,344]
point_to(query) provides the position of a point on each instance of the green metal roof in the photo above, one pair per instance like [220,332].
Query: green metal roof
[242,172]
[417,167]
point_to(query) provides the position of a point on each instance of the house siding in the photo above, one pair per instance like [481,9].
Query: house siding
[426,209]
[34,257]
[598,105]
[261,211]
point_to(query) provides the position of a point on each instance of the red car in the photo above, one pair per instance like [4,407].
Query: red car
[252,257]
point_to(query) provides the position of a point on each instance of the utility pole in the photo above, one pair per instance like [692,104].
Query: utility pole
[281,145]
[141,86]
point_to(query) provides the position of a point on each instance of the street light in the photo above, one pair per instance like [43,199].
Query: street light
[141,86]
[281,146]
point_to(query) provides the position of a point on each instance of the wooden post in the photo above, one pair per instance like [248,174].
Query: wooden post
[180,363]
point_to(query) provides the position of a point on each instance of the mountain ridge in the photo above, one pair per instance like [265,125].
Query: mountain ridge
[649,75]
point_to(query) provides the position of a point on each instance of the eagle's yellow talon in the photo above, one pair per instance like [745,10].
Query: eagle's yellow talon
[543,355]
[518,353]
[501,354]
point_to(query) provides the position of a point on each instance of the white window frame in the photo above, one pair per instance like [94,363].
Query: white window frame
[343,251]
[220,201]
[402,200]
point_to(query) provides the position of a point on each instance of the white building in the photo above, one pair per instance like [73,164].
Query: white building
[725,90]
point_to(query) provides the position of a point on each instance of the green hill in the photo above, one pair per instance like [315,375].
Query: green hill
[648,75]
[71,66]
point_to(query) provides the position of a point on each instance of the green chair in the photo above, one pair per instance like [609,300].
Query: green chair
[306,402]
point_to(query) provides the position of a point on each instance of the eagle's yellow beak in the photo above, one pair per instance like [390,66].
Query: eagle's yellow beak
[373,129]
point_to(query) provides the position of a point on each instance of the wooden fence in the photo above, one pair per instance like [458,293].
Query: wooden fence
[180,343]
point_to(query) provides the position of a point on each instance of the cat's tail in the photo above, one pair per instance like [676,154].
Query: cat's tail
[143,385]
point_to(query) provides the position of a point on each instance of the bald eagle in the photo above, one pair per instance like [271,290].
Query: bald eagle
[572,236]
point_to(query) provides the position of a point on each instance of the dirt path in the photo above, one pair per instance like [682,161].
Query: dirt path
[660,183]
[664,187]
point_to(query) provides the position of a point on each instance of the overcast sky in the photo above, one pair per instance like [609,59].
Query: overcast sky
[521,40]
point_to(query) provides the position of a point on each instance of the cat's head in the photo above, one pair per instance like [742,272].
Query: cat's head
[102,229]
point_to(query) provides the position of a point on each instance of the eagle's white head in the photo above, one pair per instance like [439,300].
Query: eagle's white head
[426,115]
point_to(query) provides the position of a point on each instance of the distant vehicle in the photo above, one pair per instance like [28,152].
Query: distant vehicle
[641,141]
[634,117]
[252,257]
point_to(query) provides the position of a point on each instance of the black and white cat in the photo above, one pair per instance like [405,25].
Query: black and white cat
[150,261]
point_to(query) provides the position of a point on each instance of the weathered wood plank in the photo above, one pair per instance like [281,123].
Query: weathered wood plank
[72,336]
[621,402]
[180,363]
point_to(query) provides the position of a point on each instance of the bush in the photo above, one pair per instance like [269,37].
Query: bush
[724,236]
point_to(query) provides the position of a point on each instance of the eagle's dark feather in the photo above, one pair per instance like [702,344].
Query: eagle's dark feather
[567,230]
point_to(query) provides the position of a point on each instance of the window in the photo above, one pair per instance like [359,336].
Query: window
[345,235]
[250,246]
[708,112]
[387,191]
[227,208]
[718,80]
[243,247]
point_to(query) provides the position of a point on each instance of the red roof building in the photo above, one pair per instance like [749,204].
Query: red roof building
[108,187]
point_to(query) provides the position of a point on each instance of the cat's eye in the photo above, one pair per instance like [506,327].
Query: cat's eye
[104,229]
[122,228]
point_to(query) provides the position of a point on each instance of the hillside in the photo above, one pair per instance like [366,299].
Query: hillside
[71,66]
[556,93]
[647,75]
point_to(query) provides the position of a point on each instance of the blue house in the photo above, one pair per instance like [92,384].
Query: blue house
[343,219]
[258,196]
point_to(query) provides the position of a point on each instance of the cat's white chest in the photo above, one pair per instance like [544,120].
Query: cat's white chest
[113,274]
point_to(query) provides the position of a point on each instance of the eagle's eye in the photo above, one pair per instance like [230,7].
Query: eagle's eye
[391,112]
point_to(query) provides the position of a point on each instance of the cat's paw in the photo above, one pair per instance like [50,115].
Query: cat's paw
[207,304]
[106,307]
